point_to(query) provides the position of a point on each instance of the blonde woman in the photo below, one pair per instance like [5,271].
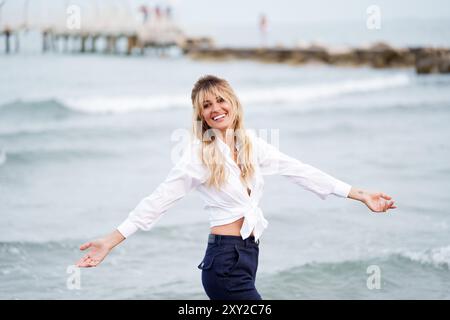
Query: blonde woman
[226,164]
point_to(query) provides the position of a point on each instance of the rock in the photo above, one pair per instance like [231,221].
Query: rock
[429,60]
[195,44]
[380,46]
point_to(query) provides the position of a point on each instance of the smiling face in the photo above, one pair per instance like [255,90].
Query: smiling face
[216,106]
[217,112]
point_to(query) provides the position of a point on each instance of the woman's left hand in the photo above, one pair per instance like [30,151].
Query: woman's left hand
[379,202]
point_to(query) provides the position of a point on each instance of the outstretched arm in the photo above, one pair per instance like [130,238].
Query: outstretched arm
[273,161]
[375,201]
[99,249]
[183,177]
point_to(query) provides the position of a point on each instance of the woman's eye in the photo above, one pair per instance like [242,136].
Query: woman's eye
[220,100]
[206,106]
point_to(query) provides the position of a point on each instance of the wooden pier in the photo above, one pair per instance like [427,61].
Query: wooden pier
[10,36]
[136,41]
[110,25]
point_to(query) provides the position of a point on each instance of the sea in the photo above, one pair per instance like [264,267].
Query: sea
[84,137]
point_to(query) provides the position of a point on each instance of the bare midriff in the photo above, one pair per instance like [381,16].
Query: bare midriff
[230,229]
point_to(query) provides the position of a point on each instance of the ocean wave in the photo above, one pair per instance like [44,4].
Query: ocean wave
[298,94]
[437,257]
[35,110]
[281,95]
[422,274]
[126,104]
[18,257]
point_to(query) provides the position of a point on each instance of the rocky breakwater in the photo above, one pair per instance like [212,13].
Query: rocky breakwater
[379,55]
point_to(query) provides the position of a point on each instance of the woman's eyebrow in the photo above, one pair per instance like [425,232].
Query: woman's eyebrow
[207,100]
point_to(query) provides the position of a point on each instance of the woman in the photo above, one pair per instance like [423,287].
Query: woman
[226,164]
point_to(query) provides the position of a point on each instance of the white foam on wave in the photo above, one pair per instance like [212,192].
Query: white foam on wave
[313,92]
[279,95]
[437,257]
[125,104]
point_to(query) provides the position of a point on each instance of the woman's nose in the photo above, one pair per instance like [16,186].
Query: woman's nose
[215,106]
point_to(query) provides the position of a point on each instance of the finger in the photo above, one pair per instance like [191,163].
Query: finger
[384,195]
[85,245]
[389,205]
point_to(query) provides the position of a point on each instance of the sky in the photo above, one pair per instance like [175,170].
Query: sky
[207,12]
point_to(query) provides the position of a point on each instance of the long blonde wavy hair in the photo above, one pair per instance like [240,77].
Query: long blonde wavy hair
[210,152]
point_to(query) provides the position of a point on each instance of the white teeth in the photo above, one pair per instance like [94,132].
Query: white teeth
[219,117]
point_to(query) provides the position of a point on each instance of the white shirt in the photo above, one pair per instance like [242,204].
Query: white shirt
[232,201]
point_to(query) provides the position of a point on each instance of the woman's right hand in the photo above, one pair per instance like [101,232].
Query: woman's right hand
[99,249]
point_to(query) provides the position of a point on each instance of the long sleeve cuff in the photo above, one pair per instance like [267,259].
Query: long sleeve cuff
[342,189]
[127,228]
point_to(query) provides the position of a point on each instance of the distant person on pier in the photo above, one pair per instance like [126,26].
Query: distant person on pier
[158,12]
[263,29]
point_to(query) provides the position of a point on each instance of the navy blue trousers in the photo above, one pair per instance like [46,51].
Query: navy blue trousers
[229,268]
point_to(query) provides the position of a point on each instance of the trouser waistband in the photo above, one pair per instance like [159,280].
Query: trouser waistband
[226,239]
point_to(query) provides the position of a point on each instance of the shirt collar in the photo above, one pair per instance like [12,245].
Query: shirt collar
[224,148]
